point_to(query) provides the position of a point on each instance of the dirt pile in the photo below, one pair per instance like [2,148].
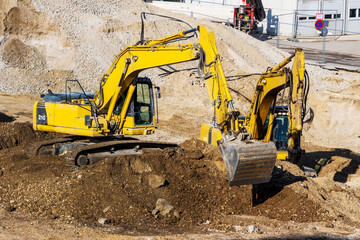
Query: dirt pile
[124,191]
[14,134]
[17,54]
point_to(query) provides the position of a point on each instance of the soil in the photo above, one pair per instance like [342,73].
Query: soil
[44,43]
[119,190]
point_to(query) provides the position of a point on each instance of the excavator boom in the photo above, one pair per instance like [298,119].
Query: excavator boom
[260,119]
[123,105]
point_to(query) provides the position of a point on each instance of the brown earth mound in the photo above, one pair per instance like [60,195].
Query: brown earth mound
[124,191]
[20,18]
[14,134]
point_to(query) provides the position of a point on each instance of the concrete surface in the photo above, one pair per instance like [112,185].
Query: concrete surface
[343,53]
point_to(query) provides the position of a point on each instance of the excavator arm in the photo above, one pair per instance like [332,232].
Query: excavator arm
[264,101]
[97,118]
[247,162]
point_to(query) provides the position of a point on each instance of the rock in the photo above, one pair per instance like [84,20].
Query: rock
[2,212]
[237,228]
[329,225]
[253,228]
[176,214]
[106,209]
[156,181]
[194,154]
[10,208]
[55,212]
[163,207]
[103,220]
[139,166]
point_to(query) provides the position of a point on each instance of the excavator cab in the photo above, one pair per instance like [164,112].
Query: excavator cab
[279,130]
[140,118]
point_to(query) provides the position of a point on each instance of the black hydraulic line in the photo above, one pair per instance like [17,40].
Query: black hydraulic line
[143,16]
[93,106]
[237,77]
[306,92]
[127,64]
[237,92]
[101,97]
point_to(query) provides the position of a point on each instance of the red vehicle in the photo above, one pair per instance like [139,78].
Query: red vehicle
[247,15]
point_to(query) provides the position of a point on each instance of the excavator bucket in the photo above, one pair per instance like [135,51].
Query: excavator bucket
[249,162]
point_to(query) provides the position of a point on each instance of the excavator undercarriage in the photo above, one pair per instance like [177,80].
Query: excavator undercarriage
[81,151]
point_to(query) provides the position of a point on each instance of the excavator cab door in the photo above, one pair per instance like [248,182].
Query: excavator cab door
[143,104]
[140,118]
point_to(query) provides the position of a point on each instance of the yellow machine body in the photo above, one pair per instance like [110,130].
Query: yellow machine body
[124,104]
[262,114]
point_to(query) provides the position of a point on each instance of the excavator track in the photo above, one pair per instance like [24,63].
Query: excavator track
[81,151]
[92,153]
[35,148]
[248,162]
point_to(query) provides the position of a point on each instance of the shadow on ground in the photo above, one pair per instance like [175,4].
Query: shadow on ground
[6,118]
[280,179]
[310,159]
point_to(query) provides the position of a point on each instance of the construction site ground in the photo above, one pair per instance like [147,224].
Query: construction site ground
[163,194]
[42,196]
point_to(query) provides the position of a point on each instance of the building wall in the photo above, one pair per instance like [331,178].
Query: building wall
[279,17]
[353,24]
[337,19]
[288,17]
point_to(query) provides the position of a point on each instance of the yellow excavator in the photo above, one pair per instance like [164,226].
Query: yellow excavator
[282,124]
[124,105]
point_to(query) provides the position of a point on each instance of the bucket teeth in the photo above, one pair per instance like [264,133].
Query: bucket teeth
[248,162]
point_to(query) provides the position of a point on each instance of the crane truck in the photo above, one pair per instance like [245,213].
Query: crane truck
[247,15]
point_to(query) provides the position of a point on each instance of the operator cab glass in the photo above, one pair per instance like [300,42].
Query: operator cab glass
[279,132]
[143,109]
[280,128]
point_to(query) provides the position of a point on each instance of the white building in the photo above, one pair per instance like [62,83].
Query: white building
[291,17]
[297,17]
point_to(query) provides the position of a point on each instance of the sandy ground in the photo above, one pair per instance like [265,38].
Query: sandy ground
[43,43]
[338,182]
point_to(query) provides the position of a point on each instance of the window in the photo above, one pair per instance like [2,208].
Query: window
[302,18]
[143,104]
[353,13]
[328,16]
[311,18]
[337,15]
